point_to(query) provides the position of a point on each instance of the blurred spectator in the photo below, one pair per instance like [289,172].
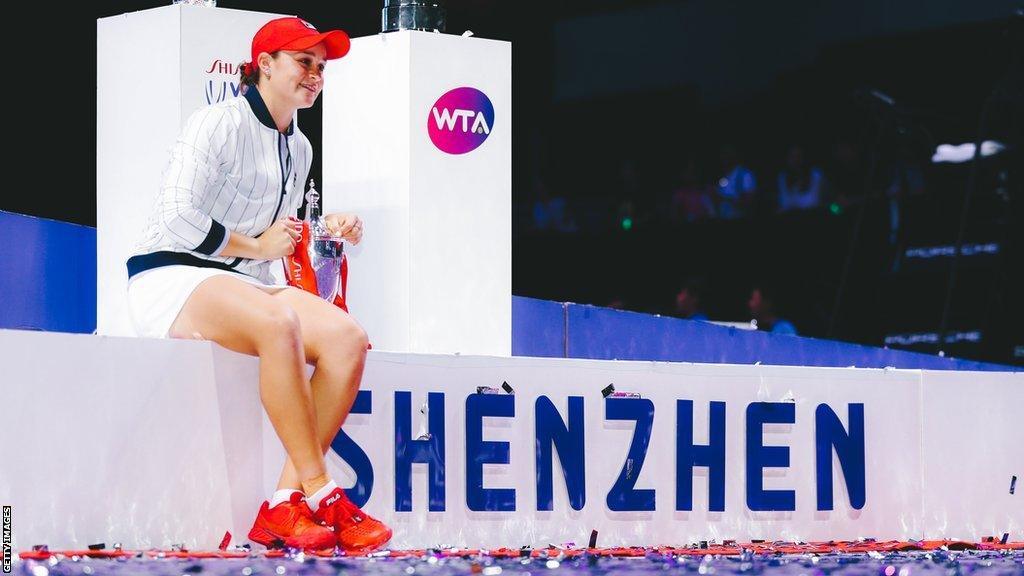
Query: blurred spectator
[799,183]
[549,212]
[763,309]
[688,300]
[690,197]
[736,186]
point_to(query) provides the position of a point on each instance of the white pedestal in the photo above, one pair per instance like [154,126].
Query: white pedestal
[156,442]
[434,271]
[154,68]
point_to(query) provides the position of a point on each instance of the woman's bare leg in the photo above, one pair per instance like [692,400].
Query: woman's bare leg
[244,318]
[336,345]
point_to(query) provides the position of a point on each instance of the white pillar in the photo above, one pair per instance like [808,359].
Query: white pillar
[153,68]
[434,271]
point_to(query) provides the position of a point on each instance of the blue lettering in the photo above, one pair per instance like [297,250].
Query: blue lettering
[568,442]
[351,453]
[622,497]
[829,433]
[480,452]
[760,456]
[409,451]
[711,456]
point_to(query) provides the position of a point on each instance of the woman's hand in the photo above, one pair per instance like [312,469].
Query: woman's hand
[348,226]
[280,239]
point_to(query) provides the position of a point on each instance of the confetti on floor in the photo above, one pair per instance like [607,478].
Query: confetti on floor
[947,558]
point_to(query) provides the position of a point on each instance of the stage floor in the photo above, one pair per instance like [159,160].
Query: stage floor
[945,560]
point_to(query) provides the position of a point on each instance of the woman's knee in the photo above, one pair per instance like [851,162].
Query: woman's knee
[360,340]
[278,325]
[346,338]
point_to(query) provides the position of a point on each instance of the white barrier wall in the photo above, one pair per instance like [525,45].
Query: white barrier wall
[151,443]
[972,444]
[417,139]
[153,68]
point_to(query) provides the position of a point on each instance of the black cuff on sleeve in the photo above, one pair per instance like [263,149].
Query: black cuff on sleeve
[214,238]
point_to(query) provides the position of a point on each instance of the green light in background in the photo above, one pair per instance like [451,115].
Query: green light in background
[627,223]
[835,209]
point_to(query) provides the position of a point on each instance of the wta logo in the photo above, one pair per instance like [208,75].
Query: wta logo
[460,120]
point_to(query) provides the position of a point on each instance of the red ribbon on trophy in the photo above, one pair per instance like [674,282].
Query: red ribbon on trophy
[301,273]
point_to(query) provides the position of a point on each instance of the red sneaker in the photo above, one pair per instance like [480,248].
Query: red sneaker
[290,524]
[355,530]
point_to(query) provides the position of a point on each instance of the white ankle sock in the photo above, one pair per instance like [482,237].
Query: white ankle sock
[282,496]
[314,499]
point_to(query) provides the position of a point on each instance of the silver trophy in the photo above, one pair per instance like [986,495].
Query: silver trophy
[325,249]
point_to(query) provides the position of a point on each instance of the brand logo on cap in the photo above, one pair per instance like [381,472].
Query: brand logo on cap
[308,25]
[460,120]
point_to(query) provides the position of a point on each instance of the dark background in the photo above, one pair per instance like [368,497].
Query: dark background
[602,83]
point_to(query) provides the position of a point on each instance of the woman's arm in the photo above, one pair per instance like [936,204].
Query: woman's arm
[194,167]
[348,226]
[276,242]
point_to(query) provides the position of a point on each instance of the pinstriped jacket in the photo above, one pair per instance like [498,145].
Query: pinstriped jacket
[230,169]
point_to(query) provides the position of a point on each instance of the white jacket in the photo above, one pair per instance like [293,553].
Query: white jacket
[230,169]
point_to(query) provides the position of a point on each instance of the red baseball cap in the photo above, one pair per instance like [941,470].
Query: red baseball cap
[291,33]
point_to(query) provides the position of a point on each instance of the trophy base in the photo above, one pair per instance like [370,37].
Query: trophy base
[412,15]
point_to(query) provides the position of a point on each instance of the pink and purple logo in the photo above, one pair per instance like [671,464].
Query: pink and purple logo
[460,120]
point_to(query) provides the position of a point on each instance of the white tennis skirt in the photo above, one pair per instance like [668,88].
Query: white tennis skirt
[156,296]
